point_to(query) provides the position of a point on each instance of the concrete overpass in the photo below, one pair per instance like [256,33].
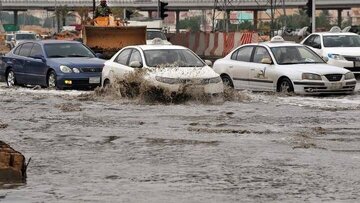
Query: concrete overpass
[174,5]
[177,5]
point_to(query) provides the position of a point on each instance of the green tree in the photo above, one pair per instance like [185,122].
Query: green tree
[61,13]
[23,19]
[191,23]
[323,20]
[83,13]
[297,20]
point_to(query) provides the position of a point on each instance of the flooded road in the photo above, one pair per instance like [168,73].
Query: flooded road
[266,148]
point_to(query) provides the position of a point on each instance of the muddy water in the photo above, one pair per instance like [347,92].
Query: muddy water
[266,148]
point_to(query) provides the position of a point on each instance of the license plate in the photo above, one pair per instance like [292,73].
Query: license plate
[94,80]
[357,64]
[335,86]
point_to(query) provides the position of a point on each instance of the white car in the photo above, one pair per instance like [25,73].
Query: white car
[152,34]
[21,36]
[168,66]
[341,49]
[284,67]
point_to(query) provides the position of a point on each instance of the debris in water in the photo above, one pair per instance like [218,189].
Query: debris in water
[36,87]
[12,165]
[319,130]
[230,94]
[162,141]
[68,107]
[3,125]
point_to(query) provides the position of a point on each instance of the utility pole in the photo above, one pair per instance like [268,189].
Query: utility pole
[213,16]
[1,26]
[313,16]
[94,7]
[272,18]
[158,9]
[57,22]
[226,17]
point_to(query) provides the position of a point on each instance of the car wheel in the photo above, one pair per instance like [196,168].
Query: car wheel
[227,81]
[10,78]
[285,86]
[106,83]
[51,79]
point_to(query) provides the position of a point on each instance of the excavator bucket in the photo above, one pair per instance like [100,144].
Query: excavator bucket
[110,39]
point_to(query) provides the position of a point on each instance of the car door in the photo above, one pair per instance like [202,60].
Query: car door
[135,56]
[119,67]
[35,67]
[239,67]
[22,58]
[314,42]
[261,72]
[16,63]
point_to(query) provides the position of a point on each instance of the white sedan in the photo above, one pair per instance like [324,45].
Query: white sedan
[341,49]
[284,67]
[168,66]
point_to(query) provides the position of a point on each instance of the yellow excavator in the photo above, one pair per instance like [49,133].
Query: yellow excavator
[107,35]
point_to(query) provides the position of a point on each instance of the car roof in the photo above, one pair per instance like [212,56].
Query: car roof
[50,41]
[161,46]
[279,44]
[334,33]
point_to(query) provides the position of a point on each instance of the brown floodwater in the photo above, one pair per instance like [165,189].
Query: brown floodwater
[253,147]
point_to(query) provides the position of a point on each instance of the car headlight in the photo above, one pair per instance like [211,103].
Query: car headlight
[349,76]
[311,76]
[212,80]
[167,80]
[65,69]
[76,70]
[336,56]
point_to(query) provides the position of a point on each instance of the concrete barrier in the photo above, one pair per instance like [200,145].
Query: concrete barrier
[213,45]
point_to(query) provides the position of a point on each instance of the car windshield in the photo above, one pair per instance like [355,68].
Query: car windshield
[61,50]
[8,37]
[295,55]
[172,58]
[150,35]
[25,37]
[342,41]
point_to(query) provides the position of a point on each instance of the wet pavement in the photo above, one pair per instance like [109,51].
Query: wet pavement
[265,148]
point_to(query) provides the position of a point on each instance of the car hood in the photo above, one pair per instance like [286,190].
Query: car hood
[77,61]
[183,72]
[321,69]
[346,51]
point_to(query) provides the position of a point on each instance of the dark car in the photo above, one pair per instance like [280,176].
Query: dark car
[51,63]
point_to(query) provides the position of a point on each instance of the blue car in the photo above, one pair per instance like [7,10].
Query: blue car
[51,63]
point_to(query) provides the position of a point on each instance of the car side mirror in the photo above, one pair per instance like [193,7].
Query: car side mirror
[99,55]
[325,58]
[41,57]
[208,62]
[135,64]
[266,61]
